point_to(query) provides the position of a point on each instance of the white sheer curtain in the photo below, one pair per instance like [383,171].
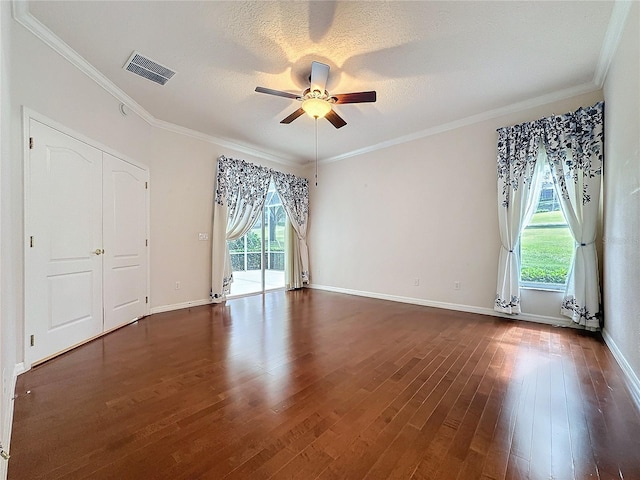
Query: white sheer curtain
[294,193]
[292,262]
[241,189]
[518,192]
[574,146]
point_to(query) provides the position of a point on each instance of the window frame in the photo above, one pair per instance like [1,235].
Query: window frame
[544,286]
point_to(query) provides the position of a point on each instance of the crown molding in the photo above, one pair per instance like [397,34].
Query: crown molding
[615,28]
[22,15]
[480,117]
[611,40]
[180,130]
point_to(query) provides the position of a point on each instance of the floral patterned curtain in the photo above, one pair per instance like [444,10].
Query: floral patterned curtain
[294,193]
[575,148]
[518,190]
[573,145]
[241,190]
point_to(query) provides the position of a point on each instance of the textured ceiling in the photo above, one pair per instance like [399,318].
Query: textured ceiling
[430,62]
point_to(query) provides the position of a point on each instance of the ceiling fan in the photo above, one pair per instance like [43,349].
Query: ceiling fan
[316,101]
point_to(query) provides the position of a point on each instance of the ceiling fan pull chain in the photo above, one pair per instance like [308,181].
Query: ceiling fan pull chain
[316,120]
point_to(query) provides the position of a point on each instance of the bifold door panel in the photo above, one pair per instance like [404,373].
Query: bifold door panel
[125,258]
[63,287]
[86,228]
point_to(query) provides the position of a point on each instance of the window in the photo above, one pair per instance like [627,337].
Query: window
[546,243]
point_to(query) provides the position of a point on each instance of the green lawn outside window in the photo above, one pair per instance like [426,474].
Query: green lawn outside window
[546,249]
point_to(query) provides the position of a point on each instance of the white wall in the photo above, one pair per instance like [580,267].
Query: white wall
[622,202]
[422,210]
[7,307]
[181,170]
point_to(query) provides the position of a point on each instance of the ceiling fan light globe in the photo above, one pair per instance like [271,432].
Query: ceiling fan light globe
[316,108]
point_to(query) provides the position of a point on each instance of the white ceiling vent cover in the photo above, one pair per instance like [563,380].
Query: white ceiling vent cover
[149,69]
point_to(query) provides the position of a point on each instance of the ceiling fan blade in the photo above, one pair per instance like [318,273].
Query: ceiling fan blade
[356,97]
[293,116]
[335,119]
[319,76]
[278,93]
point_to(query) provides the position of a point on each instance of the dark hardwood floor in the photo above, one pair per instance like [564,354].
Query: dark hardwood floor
[311,384]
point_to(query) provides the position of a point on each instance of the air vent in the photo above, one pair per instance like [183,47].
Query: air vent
[149,69]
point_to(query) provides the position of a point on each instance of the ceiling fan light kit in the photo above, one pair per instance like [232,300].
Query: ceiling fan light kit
[316,107]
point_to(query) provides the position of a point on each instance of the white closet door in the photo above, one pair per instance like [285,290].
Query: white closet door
[63,230]
[125,236]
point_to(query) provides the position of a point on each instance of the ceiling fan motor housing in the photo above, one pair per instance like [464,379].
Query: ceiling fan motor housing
[308,93]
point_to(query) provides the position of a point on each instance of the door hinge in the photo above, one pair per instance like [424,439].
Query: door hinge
[30,143]
[31,241]
[146,242]
[146,299]
[32,340]
[146,185]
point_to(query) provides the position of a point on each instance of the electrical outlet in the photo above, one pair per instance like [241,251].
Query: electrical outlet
[456,285]
[177,285]
[203,237]
[416,282]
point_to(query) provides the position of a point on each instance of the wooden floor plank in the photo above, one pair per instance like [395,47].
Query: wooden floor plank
[310,384]
[561,451]
[582,454]
[444,457]
[541,447]
[363,451]
[495,465]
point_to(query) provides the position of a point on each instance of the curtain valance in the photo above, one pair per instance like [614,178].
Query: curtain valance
[575,137]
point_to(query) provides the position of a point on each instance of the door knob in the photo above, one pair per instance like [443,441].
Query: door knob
[98,251]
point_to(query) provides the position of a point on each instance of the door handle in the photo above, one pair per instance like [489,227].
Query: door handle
[98,251]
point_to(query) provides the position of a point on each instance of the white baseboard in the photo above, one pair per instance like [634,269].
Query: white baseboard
[198,303]
[19,370]
[7,406]
[630,377]
[448,306]
[178,306]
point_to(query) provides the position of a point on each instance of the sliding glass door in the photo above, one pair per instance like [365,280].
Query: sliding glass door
[257,258]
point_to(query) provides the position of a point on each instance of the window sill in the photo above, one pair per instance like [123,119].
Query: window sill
[543,288]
